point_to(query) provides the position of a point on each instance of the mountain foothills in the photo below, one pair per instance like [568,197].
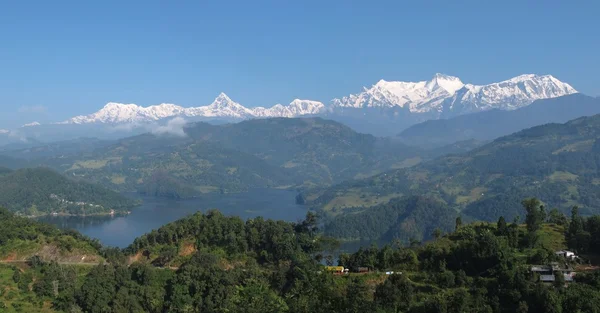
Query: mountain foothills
[491,124]
[383,109]
[186,161]
[212,263]
[41,191]
[557,163]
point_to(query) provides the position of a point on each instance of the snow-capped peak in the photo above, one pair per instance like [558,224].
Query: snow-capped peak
[444,92]
[296,108]
[32,124]
[449,83]
[221,107]
[442,95]
[511,94]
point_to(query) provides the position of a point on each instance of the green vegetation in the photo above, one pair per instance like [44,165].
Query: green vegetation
[401,219]
[21,238]
[557,163]
[41,191]
[262,153]
[212,263]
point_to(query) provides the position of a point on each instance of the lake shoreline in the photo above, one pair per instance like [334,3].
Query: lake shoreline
[115,214]
[154,212]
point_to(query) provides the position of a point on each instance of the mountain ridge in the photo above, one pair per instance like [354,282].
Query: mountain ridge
[491,124]
[557,163]
[441,96]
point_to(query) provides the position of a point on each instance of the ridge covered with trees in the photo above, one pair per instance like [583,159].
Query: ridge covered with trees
[41,191]
[557,163]
[273,266]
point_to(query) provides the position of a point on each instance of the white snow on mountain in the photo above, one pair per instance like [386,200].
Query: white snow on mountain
[221,107]
[295,108]
[514,93]
[435,94]
[441,95]
[32,124]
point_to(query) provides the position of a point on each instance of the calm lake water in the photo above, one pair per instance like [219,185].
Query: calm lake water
[155,212]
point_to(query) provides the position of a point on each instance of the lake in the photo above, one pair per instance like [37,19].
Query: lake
[155,212]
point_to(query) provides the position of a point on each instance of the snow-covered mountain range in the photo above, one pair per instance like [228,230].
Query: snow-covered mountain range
[221,107]
[442,96]
[448,95]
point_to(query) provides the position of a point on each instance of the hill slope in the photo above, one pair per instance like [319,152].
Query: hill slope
[402,218]
[492,124]
[557,163]
[42,191]
[21,238]
[235,157]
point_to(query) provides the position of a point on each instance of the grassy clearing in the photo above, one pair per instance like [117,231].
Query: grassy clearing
[560,176]
[578,146]
[553,237]
[117,179]
[475,194]
[355,198]
[407,163]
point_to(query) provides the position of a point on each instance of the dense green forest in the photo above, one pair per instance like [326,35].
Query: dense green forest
[400,219]
[272,266]
[557,163]
[40,191]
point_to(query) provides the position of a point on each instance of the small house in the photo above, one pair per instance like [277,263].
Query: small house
[566,254]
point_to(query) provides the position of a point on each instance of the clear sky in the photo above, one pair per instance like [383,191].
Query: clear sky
[64,58]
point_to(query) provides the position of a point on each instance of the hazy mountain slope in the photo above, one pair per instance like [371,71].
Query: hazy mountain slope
[42,191]
[321,151]
[492,124]
[558,163]
[279,152]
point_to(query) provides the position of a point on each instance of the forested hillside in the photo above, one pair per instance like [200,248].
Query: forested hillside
[202,158]
[489,125]
[41,191]
[557,163]
[405,219]
[212,263]
[21,238]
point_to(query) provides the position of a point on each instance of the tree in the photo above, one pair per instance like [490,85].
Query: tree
[437,233]
[357,299]
[559,279]
[395,292]
[458,223]
[502,227]
[575,228]
[255,297]
[534,219]
[535,214]
[556,217]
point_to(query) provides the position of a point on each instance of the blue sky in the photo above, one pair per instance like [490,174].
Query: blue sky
[64,58]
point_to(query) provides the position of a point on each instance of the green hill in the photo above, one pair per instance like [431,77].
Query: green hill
[282,153]
[41,191]
[557,163]
[212,263]
[402,218]
[22,238]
